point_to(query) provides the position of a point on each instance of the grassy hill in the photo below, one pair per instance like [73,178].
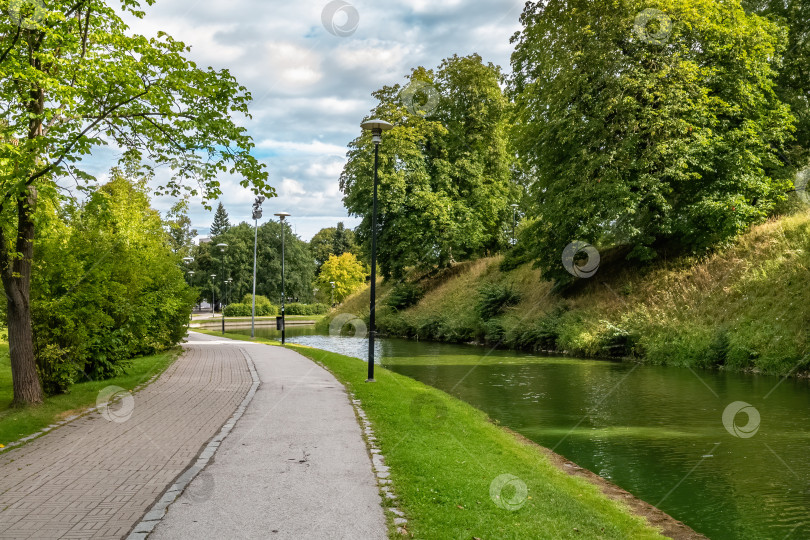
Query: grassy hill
[746,308]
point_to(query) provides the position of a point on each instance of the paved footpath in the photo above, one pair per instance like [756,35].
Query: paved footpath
[96,478]
[294,466]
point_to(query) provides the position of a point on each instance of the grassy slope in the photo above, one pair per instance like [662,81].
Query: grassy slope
[18,423]
[445,455]
[745,308]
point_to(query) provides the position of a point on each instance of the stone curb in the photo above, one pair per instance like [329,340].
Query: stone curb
[157,512]
[381,470]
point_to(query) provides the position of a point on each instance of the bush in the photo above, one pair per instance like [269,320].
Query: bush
[237,310]
[105,287]
[404,295]
[493,299]
[260,300]
[246,309]
[306,309]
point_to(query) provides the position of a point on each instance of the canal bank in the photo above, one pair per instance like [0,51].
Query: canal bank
[455,473]
[743,308]
[657,432]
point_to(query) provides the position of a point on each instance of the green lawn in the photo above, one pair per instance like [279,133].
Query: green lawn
[444,456]
[18,423]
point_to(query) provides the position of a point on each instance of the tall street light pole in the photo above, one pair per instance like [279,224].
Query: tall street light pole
[376,126]
[257,215]
[213,296]
[222,265]
[514,222]
[332,283]
[281,217]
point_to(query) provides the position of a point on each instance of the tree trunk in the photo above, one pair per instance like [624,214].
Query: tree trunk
[16,276]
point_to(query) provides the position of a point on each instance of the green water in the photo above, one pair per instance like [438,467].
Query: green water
[657,432]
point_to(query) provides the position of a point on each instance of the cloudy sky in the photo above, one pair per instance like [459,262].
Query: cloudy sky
[311,66]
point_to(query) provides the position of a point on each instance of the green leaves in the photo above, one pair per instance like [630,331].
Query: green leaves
[79,80]
[445,168]
[632,142]
[106,286]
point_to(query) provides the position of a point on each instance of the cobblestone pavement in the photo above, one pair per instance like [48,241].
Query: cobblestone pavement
[95,477]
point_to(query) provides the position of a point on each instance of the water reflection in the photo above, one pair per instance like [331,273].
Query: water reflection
[654,431]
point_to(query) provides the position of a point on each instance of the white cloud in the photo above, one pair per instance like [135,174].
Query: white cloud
[311,88]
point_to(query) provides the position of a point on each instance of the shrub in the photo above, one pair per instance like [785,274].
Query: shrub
[260,300]
[246,309]
[493,299]
[404,295]
[306,309]
[238,310]
[105,287]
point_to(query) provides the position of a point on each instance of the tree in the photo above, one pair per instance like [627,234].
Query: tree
[343,241]
[647,136]
[220,224]
[178,227]
[73,79]
[332,241]
[445,177]
[347,273]
[238,264]
[793,79]
[322,245]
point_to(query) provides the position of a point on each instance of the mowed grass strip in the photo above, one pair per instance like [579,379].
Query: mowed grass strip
[18,423]
[444,456]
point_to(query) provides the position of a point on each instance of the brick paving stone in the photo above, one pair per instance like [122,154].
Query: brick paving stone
[96,478]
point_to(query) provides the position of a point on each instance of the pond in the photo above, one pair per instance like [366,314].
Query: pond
[667,435]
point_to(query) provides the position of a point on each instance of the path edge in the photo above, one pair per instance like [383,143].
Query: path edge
[157,511]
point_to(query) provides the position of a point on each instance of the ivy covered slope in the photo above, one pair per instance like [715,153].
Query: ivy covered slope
[743,309]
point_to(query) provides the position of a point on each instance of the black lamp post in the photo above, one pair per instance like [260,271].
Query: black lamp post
[257,215]
[222,250]
[376,126]
[514,222]
[332,283]
[213,296]
[281,217]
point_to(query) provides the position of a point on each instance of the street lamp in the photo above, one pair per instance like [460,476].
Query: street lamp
[222,265]
[190,280]
[376,126]
[332,283]
[257,215]
[213,296]
[281,217]
[514,222]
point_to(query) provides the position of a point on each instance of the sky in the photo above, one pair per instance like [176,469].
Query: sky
[311,66]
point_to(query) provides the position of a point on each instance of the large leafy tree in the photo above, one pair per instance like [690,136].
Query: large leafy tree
[793,79]
[636,135]
[73,77]
[445,176]
[332,241]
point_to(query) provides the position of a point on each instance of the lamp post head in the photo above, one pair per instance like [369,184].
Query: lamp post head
[188,259]
[213,276]
[282,215]
[332,283]
[222,247]
[514,205]
[191,272]
[376,126]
